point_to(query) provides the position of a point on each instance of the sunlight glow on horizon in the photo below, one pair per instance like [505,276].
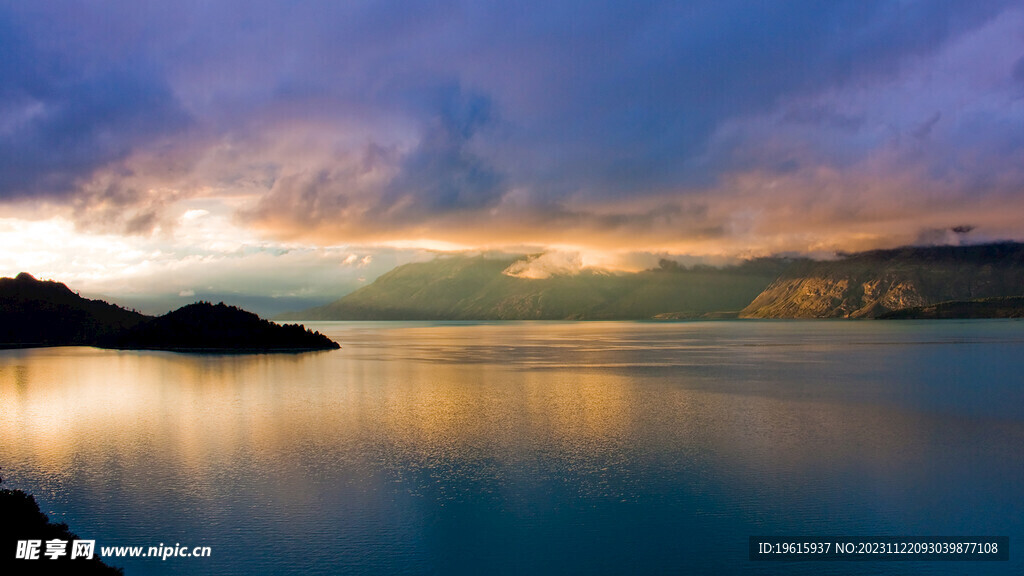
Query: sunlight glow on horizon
[133,166]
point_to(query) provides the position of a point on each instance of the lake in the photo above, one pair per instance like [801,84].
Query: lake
[531,447]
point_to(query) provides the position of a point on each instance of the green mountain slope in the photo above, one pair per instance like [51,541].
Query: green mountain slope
[869,284]
[475,288]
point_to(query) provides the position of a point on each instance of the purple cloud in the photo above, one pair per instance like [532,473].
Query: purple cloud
[536,121]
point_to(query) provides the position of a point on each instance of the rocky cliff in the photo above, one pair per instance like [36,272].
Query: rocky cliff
[869,284]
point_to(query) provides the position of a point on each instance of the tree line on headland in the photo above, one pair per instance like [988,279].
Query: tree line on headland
[46,313]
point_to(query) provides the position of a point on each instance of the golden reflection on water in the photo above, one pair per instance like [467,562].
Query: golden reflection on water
[418,446]
[591,395]
[64,403]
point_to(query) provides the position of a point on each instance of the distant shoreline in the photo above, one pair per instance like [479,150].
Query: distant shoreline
[860,285]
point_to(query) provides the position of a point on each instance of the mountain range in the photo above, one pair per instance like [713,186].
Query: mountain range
[860,285]
[915,282]
[477,288]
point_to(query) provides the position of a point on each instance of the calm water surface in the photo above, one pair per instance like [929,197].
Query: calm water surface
[532,448]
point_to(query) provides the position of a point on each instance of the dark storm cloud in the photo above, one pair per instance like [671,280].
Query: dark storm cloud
[628,98]
[64,114]
[442,173]
[399,115]
[1018,70]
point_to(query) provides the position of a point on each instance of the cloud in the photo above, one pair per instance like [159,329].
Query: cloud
[663,126]
[386,187]
[66,112]
[201,258]
[546,265]
[357,261]
[443,173]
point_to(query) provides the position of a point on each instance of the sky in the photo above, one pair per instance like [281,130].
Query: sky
[298,150]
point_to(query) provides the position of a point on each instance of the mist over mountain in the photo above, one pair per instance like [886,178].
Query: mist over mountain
[860,285]
[502,287]
[479,288]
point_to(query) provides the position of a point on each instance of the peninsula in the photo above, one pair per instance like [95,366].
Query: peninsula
[37,313]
